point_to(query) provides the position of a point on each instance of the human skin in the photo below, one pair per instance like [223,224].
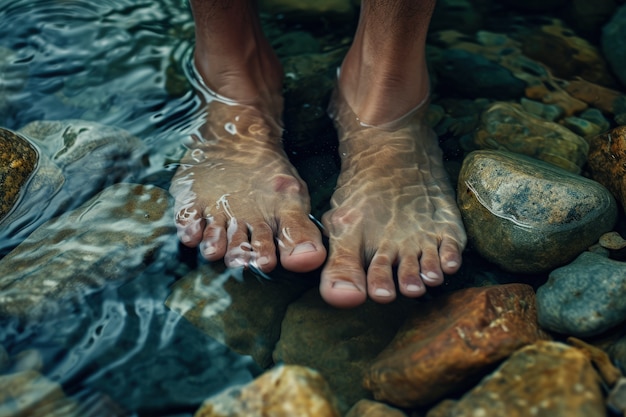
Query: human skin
[239,198]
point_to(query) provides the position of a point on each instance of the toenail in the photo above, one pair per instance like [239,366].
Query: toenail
[237,262]
[209,250]
[303,248]
[413,288]
[263,260]
[429,276]
[452,264]
[345,285]
[382,292]
[185,238]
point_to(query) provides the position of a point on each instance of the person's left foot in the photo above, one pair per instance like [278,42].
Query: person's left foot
[393,206]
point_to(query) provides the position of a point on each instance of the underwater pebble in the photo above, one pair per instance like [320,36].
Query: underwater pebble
[607,161]
[584,298]
[528,216]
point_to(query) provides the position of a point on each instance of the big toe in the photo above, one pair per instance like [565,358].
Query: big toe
[300,245]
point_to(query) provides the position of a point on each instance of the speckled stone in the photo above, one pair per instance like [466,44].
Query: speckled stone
[340,344]
[506,126]
[584,298]
[218,301]
[607,161]
[369,408]
[285,391]
[108,238]
[547,379]
[447,343]
[18,159]
[528,216]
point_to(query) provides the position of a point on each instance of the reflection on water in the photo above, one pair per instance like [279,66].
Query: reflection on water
[115,62]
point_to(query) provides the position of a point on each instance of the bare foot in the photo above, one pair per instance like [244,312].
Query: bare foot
[393,206]
[237,195]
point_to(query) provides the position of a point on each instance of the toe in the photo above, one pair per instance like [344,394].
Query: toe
[262,242]
[189,226]
[409,280]
[300,244]
[239,251]
[380,284]
[343,278]
[450,255]
[214,243]
[430,269]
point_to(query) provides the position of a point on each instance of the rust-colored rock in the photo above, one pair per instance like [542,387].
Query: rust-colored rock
[18,159]
[603,98]
[607,161]
[285,391]
[369,408]
[546,379]
[450,341]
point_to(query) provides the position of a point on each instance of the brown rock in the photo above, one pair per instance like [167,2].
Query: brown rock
[340,344]
[448,342]
[600,359]
[607,161]
[369,408]
[243,312]
[603,98]
[18,159]
[506,126]
[546,379]
[285,391]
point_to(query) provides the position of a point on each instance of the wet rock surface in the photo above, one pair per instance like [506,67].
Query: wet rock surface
[437,353]
[584,298]
[18,159]
[607,161]
[528,216]
[543,379]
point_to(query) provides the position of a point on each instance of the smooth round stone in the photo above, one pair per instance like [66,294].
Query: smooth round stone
[584,298]
[18,159]
[506,126]
[529,216]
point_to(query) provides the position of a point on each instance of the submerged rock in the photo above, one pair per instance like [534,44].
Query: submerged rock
[18,159]
[368,408]
[607,161]
[505,126]
[234,309]
[74,160]
[544,379]
[448,342]
[285,391]
[584,298]
[109,238]
[613,39]
[529,216]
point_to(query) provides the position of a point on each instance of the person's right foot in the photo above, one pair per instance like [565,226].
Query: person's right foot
[238,196]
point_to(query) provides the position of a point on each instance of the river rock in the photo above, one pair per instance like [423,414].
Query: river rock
[109,238]
[369,408]
[506,126]
[340,344]
[74,160]
[544,379]
[613,39]
[528,216]
[447,343]
[236,307]
[285,391]
[18,159]
[584,298]
[607,161]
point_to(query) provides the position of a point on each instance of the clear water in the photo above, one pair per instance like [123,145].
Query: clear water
[108,61]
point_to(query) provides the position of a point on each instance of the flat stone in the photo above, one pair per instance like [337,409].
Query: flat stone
[109,238]
[506,126]
[547,379]
[448,342]
[285,391]
[528,216]
[340,344]
[584,298]
[218,301]
[607,161]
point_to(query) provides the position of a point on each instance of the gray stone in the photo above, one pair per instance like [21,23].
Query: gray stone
[529,216]
[109,238]
[584,298]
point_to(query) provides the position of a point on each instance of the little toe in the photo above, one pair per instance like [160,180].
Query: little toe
[189,227]
[343,278]
[300,244]
[450,255]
